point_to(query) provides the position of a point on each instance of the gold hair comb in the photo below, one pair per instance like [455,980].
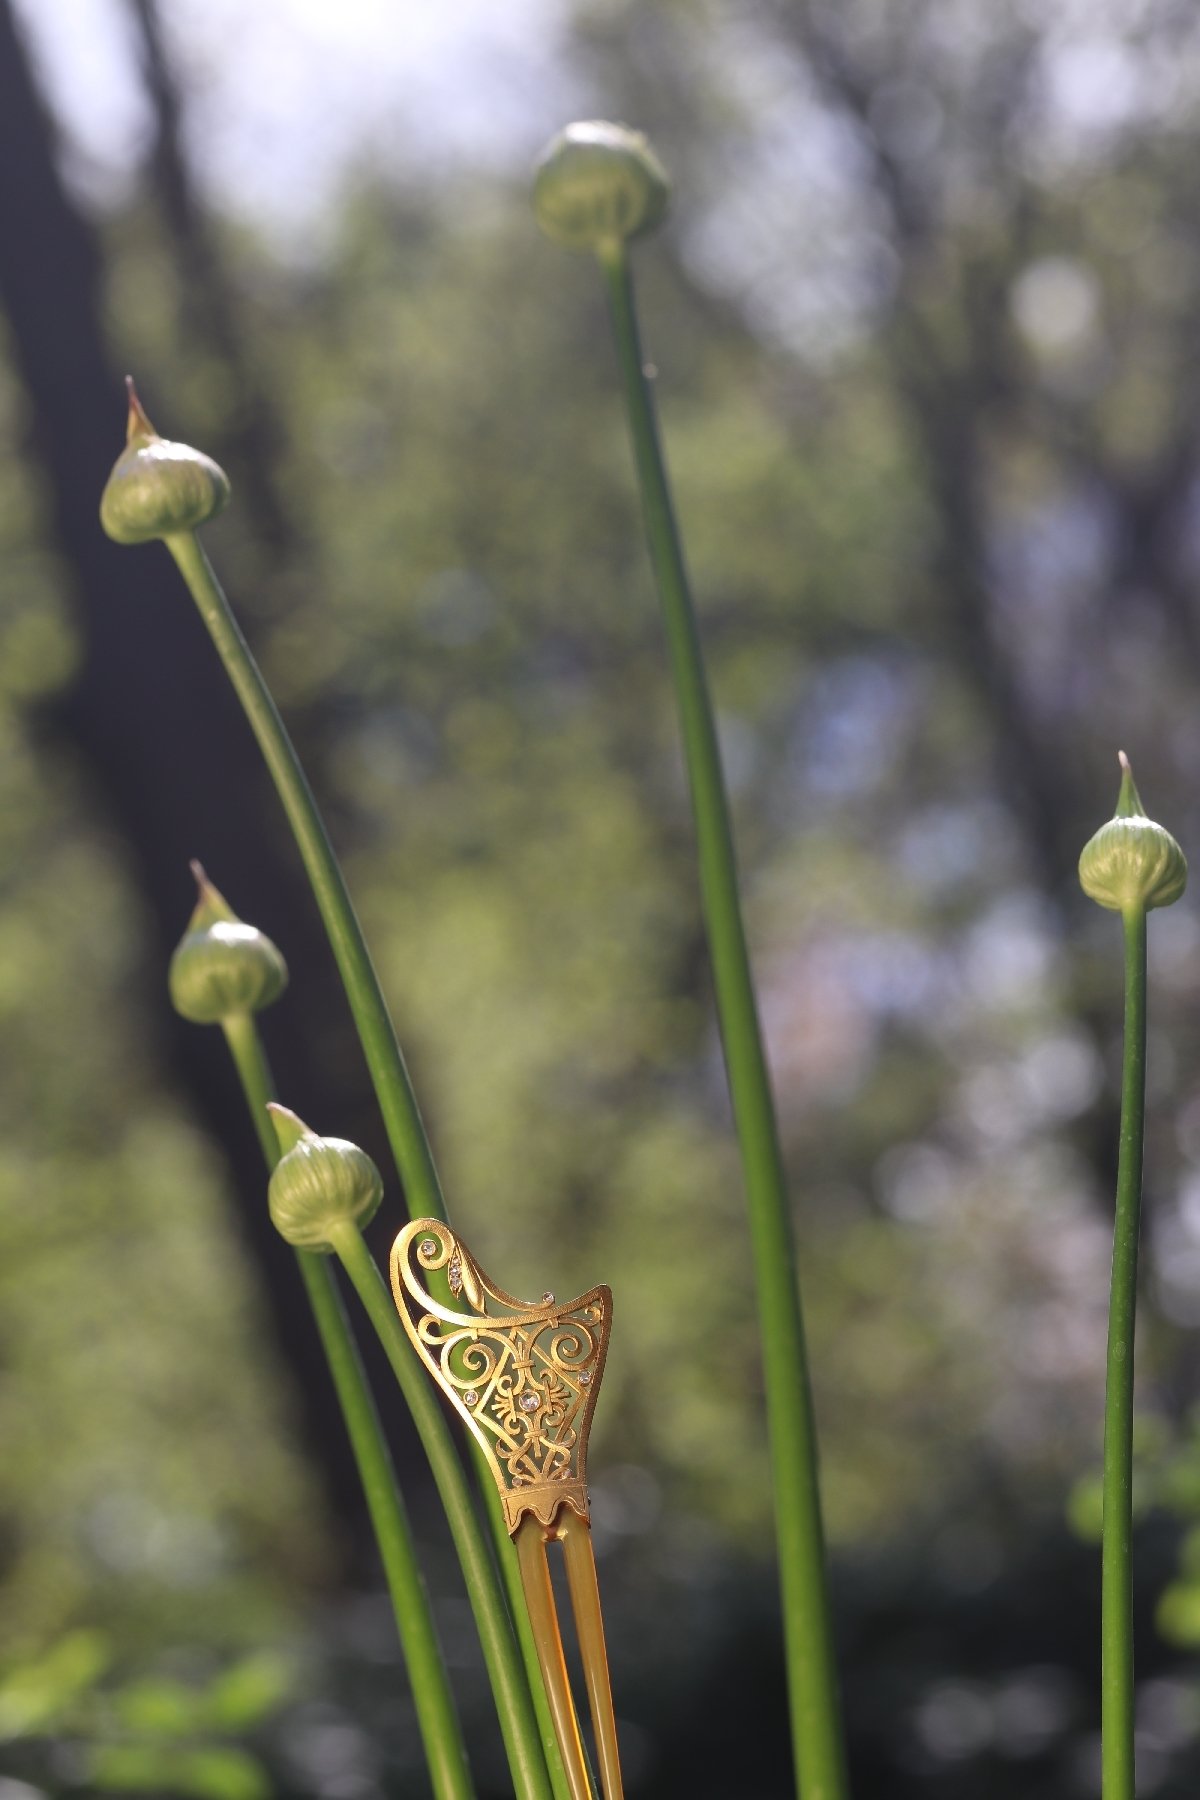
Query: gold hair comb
[524,1380]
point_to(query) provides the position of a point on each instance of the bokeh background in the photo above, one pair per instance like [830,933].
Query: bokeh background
[926,322]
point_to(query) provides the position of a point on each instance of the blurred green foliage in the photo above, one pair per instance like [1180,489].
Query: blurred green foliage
[149,1734]
[944,543]
[124,1305]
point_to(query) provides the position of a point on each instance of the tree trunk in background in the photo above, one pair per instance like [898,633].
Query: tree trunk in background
[169,757]
[255,432]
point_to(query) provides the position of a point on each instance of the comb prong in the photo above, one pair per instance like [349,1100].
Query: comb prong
[523,1378]
[575,1535]
[530,1539]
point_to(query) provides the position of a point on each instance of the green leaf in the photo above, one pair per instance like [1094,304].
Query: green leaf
[1085,1508]
[1178,1614]
[243,1695]
[211,1772]
[131,1768]
[221,1772]
[158,1707]
[34,1698]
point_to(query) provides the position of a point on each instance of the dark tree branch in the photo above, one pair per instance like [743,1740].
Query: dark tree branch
[256,434]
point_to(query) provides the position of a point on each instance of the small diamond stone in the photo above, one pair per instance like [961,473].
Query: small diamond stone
[528,1402]
[428,1246]
[547,1298]
[470,1398]
[585,1377]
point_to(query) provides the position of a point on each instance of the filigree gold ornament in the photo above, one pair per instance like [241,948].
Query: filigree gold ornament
[524,1379]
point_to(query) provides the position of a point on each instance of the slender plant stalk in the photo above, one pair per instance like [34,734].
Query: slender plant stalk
[401,1114]
[1117,1554]
[812,1673]
[402,1117]
[517,1719]
[249,1059]
[1130,865]
[437,1718]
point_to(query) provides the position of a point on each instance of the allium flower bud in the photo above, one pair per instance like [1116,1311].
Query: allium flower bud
[598,184]
[1131,861]
[319,1183]
[222,966]
[158,488]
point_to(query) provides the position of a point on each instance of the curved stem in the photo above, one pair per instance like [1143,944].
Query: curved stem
[385,1062]
[437,1718]
[249,1059]
[1117,1695]
[401,1115]
[808,1632]
[517,1721]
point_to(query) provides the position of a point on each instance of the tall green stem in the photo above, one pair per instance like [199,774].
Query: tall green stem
[517,1719]
[1117,1555]
[249,1059]
[401,1115]
[437,1719]
[398,1105]
[385,1062]
[812,1674]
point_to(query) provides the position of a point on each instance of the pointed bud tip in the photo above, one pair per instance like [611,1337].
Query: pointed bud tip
[1129,801]
[1132,862]
[290,1128]
[211,904]
[138,430]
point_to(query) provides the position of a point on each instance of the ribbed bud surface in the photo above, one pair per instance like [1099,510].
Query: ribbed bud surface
[158,488]
[224,969]
[322,1182]
[222,966]
[598,184]
[1132,861]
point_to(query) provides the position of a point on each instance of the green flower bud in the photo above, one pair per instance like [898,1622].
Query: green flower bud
[158,488]
[318,1184]
[1131,861]
[222,966]
[598,184]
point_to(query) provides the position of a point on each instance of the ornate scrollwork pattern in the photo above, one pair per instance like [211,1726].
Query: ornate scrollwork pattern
[524,1378]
